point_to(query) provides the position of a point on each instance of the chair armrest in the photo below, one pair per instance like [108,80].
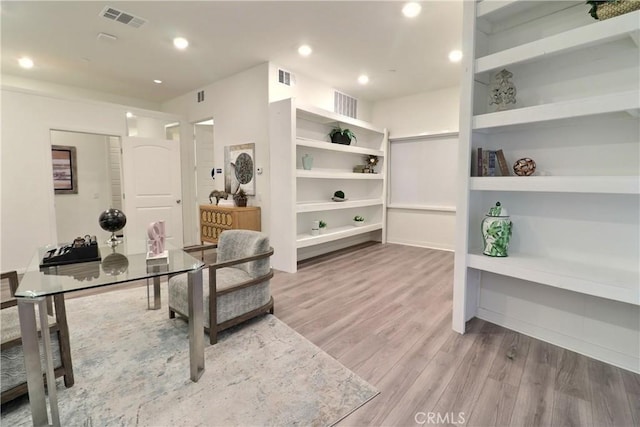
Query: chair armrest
[197,248]
[12,277]
[241,260]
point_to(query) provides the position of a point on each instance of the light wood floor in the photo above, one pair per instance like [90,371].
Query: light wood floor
[384,311]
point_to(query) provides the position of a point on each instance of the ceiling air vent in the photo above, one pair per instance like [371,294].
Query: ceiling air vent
[284,77]
[122,17]
[345,105]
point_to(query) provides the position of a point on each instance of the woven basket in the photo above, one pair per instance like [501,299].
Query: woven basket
[609,10]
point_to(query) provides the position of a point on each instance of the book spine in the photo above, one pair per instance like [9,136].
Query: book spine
[492,163]
[485,163]
[479,163]
[502,162]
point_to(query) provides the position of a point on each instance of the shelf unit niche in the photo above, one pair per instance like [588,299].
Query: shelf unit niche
[301,196]
[572,276]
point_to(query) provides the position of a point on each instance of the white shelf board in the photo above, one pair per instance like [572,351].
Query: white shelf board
[306,240]
[330,174]
[320,115]
[500,10]
[325,145]
[414,207]
[598,32]
[585,278]
[558,184]
[602,104]
[331,205]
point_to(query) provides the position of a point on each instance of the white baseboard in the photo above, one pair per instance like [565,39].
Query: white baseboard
[419,244]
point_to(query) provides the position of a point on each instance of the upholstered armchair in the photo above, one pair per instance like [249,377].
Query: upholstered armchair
[14,377]
[236,286]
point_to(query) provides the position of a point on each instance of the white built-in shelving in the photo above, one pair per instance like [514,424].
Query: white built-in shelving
[559,184]
[578,38]
[319,206]
[302,196]
[572,276]
[333,174]
[582,277]
[628,101]
[305,239]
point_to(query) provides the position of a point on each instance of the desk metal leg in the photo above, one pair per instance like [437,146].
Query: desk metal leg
[196,324]
[31,350]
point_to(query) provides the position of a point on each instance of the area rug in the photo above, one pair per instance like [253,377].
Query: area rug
[131,368]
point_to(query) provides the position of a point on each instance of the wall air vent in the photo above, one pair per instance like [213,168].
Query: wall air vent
[200,97]
[122,17]
[345,105]
[284,77]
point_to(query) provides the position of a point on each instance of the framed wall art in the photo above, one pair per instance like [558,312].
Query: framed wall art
[239,168]
[65,169]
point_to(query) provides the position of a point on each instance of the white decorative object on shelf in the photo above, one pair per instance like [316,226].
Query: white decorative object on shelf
[502,91]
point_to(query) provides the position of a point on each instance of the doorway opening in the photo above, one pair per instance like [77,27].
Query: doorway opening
[204,164]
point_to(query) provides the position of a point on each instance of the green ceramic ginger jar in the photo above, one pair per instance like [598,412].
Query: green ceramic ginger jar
[496,231]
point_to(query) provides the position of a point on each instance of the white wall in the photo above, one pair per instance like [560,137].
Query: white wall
[27,211]
[420,114]
[239,107]
[205,161]
[77,214]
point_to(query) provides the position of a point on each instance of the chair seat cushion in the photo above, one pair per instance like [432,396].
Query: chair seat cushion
[11,359]
[230,305]
[10,323]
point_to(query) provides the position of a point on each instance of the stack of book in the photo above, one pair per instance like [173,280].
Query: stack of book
[491,163]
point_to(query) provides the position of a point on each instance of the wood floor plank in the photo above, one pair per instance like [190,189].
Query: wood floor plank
[494,405]
[466,385]
[572,376]
[632,387]
[609,402]
[512,356]
[571,411]
[534,401]
[426,390]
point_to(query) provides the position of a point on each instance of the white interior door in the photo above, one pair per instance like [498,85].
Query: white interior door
[152,188]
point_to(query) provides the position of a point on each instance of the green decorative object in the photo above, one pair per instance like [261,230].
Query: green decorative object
[496,231]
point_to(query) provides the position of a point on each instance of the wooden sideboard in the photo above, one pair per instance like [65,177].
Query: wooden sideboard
[215,219]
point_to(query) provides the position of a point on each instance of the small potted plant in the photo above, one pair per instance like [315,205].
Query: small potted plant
[240,197]
[358,221]
[342,136]
[323,227]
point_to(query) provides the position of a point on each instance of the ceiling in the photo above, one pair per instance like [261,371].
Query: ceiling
[401,56]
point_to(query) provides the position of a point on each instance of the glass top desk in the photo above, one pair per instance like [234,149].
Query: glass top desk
[118,265]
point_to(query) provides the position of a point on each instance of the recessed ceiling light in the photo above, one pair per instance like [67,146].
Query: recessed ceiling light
[25,62]
[305,50]
[129,114]
[363,79]
[157,81]
[455,56]
[180,42]
[411,10]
